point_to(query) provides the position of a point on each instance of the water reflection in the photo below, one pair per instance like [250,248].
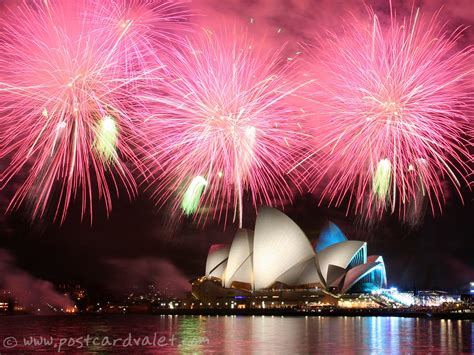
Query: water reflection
[190,333]
[257,334]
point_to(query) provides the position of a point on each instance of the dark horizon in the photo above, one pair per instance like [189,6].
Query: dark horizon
[136,245]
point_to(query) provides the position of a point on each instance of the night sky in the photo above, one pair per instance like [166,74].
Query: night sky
[140,243]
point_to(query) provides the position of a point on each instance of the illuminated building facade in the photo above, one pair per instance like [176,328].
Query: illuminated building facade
[278,257]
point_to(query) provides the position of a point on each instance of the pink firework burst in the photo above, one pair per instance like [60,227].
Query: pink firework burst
[67,90]
[143,29]
[224,123]
[390,108]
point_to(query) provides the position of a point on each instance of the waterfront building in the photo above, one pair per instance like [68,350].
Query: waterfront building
[277,263]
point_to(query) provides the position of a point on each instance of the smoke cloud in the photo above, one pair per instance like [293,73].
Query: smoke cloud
[297,21]
[142,272]
[27,289]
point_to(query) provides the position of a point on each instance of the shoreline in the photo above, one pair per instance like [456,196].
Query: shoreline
[275,312]
[321,313]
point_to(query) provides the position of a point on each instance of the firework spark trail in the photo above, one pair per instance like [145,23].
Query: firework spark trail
[144,30]
[390,109]
[193,194]
[226,117]
[69,113]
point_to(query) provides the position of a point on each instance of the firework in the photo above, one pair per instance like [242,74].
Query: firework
[225,117]
[390,108]
[106,138]
[70,119]
[381,179]
[193,194]
[142,30]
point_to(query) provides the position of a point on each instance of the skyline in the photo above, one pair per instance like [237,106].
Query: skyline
[423,259]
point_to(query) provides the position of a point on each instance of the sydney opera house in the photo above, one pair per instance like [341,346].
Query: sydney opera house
[278,261]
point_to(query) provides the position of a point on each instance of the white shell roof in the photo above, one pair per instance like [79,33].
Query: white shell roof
[358,272]
[304,273]
[218,253]
[279,244]
[339,254]
[219,270]
[279,251]
[239,264]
